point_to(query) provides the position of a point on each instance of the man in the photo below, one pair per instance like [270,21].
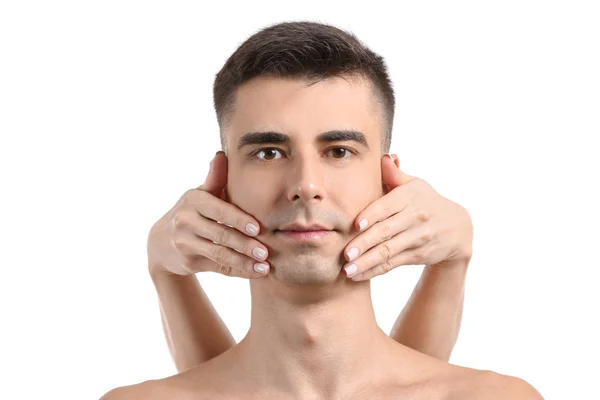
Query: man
[305,112]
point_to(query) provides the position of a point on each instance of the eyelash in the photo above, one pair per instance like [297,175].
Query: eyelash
[255,153]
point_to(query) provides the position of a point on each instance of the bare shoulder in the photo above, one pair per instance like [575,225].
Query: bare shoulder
[504,386]
[491,385]
[148,390]
[207,381]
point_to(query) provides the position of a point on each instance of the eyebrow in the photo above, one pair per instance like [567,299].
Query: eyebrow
[251,138]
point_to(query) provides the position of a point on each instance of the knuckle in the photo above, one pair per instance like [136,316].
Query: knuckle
[218,255]
[246,246]
[178,243]
[419,255]
[224,270]
[415,212]
[385,231]
[422,215]
[427,235]
[180,220]
[387,266]
[189,192]
[222,235]
[219,213]
[385,252]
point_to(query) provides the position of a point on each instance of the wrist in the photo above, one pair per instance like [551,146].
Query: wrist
[456,266]
[157,271]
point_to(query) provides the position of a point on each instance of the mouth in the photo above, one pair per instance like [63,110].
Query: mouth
[304,235]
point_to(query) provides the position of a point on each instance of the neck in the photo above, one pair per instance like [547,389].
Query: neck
[311,340]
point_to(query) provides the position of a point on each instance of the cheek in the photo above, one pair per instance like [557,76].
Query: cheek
[247,192]
[367,182]
[363,193]
[357,190]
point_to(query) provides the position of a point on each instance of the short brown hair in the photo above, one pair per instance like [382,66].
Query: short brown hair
[306,50]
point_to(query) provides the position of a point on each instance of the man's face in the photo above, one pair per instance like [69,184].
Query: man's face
[303,172]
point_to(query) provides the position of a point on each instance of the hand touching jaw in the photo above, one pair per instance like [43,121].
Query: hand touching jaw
[304,154]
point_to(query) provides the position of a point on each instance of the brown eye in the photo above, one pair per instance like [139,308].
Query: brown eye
[339,152]
[269,154]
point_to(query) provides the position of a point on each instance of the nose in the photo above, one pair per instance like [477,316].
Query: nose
[306,180]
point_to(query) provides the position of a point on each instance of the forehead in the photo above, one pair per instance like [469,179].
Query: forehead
[297,108]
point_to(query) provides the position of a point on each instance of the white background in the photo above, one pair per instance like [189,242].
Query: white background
[106,119]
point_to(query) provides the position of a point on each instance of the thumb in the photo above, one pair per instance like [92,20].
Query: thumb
[391,173]
[216,180]
[405,177]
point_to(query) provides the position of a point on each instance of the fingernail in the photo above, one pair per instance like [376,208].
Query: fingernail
[363,223]
[351,269]
[260,268]
[352,253]
[259,253]
[388,156]
[251,228]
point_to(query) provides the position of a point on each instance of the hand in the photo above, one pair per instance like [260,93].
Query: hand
[410,225]
[182,241]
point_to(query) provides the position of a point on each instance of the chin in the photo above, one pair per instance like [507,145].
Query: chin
[306,270]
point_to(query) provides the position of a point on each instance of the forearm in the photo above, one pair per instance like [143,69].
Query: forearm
[431,319]
[194,331]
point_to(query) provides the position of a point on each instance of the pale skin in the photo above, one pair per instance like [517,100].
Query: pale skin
[306,308]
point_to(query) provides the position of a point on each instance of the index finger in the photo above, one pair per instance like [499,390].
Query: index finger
[219,210]
[210,199]
[380,209]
